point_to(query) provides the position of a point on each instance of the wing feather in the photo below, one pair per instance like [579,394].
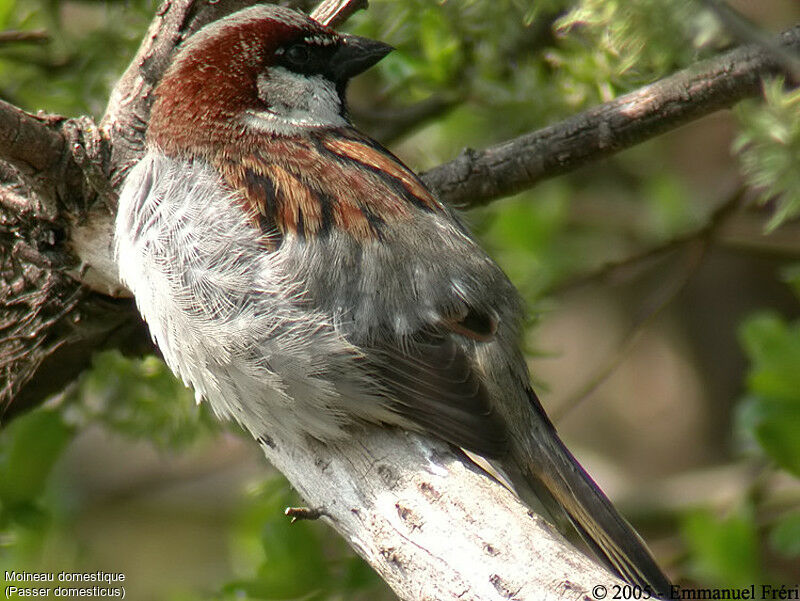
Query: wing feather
[432,382]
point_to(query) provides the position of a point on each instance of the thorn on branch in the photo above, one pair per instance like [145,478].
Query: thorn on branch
[304,513]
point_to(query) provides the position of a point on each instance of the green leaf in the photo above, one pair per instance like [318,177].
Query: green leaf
[770,414]
[773,347]
[29,446]
[723,551]
[768,147]
[785,536]
[775,425]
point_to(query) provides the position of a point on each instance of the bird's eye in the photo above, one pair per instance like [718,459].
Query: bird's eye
[298,54]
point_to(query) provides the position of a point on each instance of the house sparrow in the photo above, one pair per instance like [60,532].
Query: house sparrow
[302,279]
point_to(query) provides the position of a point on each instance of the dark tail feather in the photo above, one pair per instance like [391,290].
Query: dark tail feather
[548,470]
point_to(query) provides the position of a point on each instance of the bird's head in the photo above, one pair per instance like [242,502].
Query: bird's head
[263,69]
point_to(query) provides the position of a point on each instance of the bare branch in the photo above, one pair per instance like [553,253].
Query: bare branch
[335,12]
[695,246]
[718,219]
[35,36]
[478,177]
[25,138]
[431,523]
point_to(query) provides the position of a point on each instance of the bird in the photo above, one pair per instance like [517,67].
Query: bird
[302,279]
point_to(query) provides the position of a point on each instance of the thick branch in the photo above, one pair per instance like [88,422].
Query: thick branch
[433,525]
[30,140]
[476,178]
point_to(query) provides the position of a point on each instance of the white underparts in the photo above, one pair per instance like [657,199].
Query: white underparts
[224,312]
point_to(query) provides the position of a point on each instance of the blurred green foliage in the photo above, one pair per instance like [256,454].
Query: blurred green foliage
[294,560]
[632,42]
[769,148]
[128,396]
[28,449]
[499,69]
[770,414]
[724,550]
[89,46]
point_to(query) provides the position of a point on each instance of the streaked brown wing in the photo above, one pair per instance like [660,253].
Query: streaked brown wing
[339,179]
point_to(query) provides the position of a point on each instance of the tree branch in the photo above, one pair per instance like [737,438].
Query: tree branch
[747,32]
[35,142]
[335,12]
[478,177]
[433,525]
[35,36]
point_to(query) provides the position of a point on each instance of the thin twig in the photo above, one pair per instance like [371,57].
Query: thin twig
[611,269]
[697,245]
[35,36]
[303,513]
[749,33]
[661,299]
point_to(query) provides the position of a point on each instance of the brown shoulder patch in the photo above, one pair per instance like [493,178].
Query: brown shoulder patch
[383,162]
[298,208]
[311,187]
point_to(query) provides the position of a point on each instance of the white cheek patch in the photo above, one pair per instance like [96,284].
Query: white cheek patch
[293,100]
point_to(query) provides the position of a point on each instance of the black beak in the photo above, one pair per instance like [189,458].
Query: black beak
[356,55]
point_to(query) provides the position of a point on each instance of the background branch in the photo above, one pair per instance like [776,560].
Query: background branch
[334,12]
[478,177]
[36,36]
[747,32]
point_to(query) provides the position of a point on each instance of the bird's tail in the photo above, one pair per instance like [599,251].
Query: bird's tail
[547,469]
